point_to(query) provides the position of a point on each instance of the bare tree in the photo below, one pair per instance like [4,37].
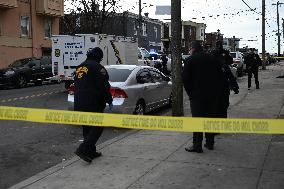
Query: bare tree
[88,16]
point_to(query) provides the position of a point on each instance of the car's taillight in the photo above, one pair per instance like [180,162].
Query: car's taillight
[71,89]
[62,77]
[118,93]
[237,61]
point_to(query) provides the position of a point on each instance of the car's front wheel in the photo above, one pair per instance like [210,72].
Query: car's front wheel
[21,81]
[140,108]
[38,82]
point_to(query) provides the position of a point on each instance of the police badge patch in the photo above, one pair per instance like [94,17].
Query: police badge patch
[81,71]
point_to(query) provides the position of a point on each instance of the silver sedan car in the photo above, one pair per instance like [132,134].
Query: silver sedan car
[135,89]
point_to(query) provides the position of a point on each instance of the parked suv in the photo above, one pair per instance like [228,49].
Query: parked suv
[26,70]
[238,62]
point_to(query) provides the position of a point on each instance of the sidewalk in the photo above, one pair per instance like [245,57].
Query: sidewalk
[157,159]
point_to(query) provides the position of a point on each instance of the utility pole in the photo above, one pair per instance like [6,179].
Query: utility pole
[139,24]
[263,35]
[177,87]
[283,26]
[278,32]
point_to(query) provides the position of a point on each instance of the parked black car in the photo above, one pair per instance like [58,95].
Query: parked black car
[27,70]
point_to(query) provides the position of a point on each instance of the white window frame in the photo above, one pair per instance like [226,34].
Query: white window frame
[78,22]
[135,28]
[156,32]
[202,32]
[48,28]
[144,29]
[25,25]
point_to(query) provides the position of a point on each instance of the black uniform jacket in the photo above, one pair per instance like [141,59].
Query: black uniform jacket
[252,61]
[92,89]
[202,76]
[223,57]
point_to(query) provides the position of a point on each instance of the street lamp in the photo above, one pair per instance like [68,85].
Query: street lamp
[278,32]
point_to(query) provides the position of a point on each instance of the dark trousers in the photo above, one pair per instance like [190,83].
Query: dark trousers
[91,136]
[253,72]
[205,107]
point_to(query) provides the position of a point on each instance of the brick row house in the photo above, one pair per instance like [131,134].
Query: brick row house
[212,38]
[119,24]
[26,27]
[191,31]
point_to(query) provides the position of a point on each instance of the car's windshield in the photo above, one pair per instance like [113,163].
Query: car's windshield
[19,63]
[118,75]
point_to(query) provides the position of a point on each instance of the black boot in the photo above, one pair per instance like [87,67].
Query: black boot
[95,155]
[193,148]
[209,146]
[83,155]
[257,84]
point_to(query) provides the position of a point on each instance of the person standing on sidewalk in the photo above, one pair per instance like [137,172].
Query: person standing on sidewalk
[92,92]
[203,81]
[223,57]
[164,63]
[252,62]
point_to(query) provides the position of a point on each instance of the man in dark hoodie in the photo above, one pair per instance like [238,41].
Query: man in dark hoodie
[203,81]
[92,92]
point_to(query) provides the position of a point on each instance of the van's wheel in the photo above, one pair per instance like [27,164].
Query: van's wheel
[21,81]
[140,108]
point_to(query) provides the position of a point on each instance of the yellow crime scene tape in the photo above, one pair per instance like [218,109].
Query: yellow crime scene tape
[163,123]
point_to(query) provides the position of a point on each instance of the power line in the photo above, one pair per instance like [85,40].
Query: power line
[250,7]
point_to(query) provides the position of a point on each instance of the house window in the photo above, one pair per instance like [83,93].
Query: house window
[156,32]
[135,28]
[144,29]
[202,32]
[25,26]
[47,28]
[78,22]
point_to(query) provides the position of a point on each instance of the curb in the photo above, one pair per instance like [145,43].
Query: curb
[67,163]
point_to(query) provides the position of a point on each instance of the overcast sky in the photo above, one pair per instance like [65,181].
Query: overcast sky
[235,18]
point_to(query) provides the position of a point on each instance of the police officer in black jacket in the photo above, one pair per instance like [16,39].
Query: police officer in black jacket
[229,82]
[202,78]
[92,92]
[252,62]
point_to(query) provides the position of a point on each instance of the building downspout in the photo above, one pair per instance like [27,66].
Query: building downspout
[33,23]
